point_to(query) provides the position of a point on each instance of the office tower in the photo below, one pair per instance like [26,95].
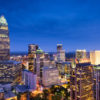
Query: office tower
[4,39]
[32,57]
[81,82]
[59,66]
[64,69]
[95,57]
[54,57]
[81,54]
[60,53]
[29,79]
[38,65]
[47,61]
[10,72]
[97,82]
[39,62]
[50,76]
[66,66]
[59,47]
[47,56]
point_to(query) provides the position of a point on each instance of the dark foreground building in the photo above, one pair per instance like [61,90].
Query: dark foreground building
[10,72]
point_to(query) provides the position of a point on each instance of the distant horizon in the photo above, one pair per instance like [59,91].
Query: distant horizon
[44,51]
[55,50]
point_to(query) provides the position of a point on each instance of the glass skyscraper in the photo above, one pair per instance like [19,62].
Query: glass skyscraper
[32,56]
[4,40]
[82,82]
[10,71]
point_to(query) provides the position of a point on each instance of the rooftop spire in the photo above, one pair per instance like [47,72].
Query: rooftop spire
[3,21]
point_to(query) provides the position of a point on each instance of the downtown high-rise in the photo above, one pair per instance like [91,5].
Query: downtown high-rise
[4,40]
[60,53]
[82,82]
[97,82]
[32,48]
[10,70]
[80,54]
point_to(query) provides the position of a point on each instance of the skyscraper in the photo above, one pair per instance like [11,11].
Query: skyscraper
[4,40]
[97,82]
[82,82]
[39,62]
[10,71]
[95,57]
[80,54]
[32,56]
[60,53]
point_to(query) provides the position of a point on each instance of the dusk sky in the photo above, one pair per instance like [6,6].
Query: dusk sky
[74,23]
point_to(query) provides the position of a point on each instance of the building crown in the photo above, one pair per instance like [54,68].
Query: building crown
[3,21]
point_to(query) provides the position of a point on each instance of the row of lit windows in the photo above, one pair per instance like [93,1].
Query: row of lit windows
[4,28]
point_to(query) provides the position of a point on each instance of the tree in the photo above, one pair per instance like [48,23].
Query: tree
[37,97]
[45,94]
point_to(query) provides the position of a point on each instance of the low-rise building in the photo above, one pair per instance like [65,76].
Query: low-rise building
[29,79]
[10,72]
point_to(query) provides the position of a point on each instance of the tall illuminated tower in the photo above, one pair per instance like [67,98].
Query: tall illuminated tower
[95,57]
[81,84]
[39,63]
[10,71]
[32,56]
[60,53]
[4,40]
[97,82]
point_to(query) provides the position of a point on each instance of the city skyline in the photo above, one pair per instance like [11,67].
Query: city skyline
[75,24]
[49,50]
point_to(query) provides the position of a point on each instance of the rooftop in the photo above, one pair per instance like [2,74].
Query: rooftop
[97,67]
[59,44]
[9,62]
[80,50]
[48,68]
[22,88]
[39,51]
[83,64]
[3,21]
[66,62]
[27,70]
[1,90]
[9,94]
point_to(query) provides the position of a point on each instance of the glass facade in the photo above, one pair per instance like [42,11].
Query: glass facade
[82,82]
[97,82]
[81,54]
[32,56]
[4,40]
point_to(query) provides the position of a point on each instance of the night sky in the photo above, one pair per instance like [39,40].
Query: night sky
[74,23]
